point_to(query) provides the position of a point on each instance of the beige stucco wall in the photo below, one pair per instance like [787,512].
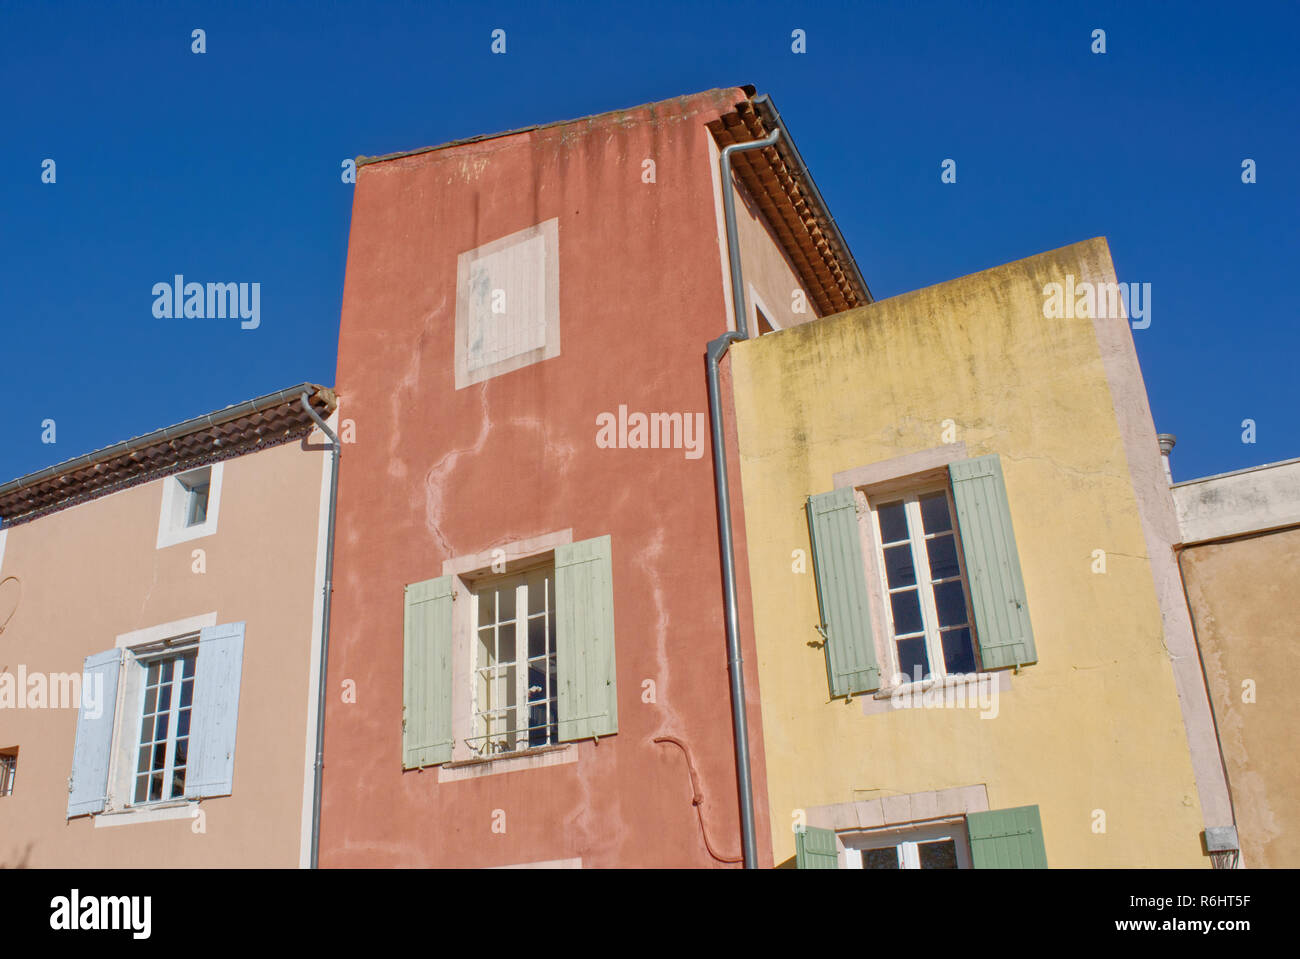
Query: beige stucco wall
[1096,724]
[92,572]
[1245,605]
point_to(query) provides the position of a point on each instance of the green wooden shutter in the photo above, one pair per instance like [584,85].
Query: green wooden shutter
[1007,839]
[426,679]
[815,849]
[997,591]
[841,577]
[584,649]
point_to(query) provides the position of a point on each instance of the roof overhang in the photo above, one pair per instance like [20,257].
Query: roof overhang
[779,183]
[243,428]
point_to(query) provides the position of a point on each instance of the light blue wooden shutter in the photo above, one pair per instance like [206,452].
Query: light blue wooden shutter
[88,785]
[841,575]
[997,591]
[584,594]
[426,674]
[1007,839]
[816,849]
[215,714]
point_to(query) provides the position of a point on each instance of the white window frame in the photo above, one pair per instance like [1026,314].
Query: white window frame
[477,743]
[910,496]
[140,660]
[906,841]
[176,496]
[119,809]
[8,771]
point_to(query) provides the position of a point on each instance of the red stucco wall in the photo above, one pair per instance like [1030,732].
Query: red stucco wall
[436,473]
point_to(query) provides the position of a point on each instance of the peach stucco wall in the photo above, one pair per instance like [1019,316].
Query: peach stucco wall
[1245,605]
[92,572]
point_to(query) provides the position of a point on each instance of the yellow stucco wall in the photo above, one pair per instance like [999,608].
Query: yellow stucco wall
[1245,604]
[1095,724]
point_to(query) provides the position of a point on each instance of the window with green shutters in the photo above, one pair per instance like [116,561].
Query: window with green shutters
[816,849]
[538,645]
[1007,839]
[997,589]
[996,839]
[946,576]
[848,640]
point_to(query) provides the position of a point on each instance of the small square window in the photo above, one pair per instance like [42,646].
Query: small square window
[190,502]
[196,486]
[8,770]
[928,617]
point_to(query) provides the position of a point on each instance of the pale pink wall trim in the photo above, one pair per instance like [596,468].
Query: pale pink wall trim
[521,549]
[491,767]
[899,467]
[900,810]
[1160,530]
[547,864]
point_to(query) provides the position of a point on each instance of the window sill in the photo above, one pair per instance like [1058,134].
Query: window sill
[152,812]
[555,755]
[976,691]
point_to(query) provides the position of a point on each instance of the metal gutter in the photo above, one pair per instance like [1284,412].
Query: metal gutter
[772,118]
[733,239]
[324,630]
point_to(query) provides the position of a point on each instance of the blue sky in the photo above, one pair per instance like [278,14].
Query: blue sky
[226,166]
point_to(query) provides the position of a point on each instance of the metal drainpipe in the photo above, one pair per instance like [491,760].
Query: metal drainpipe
[733,243]
[717,348]
[324,632]
[738,714]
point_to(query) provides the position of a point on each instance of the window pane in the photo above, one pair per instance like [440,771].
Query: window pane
[536,637]
[487,607]
[160,731]
[152,678]
[183,724]
[941,854]
[907,612]
[934,513]
[893,522]
[187,693]
[141,788]
[143,765]
[150,699]
[506,642]
[886,858]
[958,651]
[538,584]
[912,659]
[899,570]
[166,671]
[506,603]
[189,660]
[536,682]
[486,655]
[537,718]
[950,601]
[164,697]
[943,557]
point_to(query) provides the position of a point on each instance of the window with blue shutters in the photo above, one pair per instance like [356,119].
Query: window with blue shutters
[175,720]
